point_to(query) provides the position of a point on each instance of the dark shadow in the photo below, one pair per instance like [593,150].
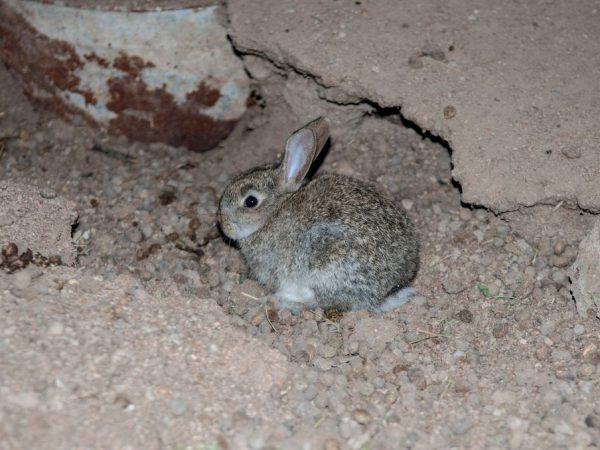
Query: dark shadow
[319,160]
[230,242]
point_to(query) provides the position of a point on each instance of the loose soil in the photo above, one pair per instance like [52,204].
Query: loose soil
[490,354]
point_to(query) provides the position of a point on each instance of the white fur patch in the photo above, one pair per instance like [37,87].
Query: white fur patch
[397,299]
[292,292]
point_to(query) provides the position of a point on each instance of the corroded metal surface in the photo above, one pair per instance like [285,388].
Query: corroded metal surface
[157,76]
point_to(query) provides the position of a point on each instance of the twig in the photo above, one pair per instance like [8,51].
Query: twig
[320,421]
[447,386]
[249,296]
[430,336]
[269,320]
[113,153]
[559,205]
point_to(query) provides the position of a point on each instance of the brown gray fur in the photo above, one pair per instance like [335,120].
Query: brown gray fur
[334,241]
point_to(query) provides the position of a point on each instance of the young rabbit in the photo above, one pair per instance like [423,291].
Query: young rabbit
[333,242]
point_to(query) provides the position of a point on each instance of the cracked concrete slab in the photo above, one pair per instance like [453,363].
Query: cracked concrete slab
[514,90]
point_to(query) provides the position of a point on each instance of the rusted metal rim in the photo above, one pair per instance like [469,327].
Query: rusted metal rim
[133,5]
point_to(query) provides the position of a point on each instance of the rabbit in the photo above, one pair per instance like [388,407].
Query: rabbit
[332,242]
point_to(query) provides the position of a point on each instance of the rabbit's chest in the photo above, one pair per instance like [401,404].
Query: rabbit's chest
[271,264]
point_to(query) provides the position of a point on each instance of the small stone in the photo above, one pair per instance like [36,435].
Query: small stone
[22,280]
[561,355]
[56,329]
[332,444]
[365,388]
[465,316]
[579,329]
[353,347]
[548,327]
[10,250]
[465,214]
[407,204]
[167,197]
[378,382]
[135,235]
[559,276]
[362,416]
[567,335]
[348,427]
[5,220]
[542,353]
[178,406]
[327,351]
[571,151]
[586,371]
[417,377]
[47,193]
[500,330]
[415,61]
[358,442]
[559,247]
[449,112]
[419,300]
[437,53]
[593,421]
[503,397]
[455,285]
[461,426]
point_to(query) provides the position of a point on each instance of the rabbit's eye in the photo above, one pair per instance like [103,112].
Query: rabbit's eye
[251,201]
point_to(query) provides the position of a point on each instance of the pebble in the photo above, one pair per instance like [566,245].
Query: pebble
[500,330]
[321,400]
[593,421]
[464,315]
[362,416]
[461,426]
[548,327]
[22,279]
[567,335]
[177,406]
[135,235]
[503,397]
[419,300]
[358,442]
[378,382]
[348,428]
[579,329]
[407,204]
[417,377]
[47,193]
[5,220]
[465,214]
[586,371]
[559,247]
[559,276]
[327,351]
[561,355]
[365,388]
[56,329]
[332,444]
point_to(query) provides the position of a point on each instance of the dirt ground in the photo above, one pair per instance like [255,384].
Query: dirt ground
[109,354]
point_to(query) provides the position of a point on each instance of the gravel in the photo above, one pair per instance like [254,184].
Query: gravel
[474,359]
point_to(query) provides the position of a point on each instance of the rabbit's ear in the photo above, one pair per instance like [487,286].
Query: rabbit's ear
[301,149]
